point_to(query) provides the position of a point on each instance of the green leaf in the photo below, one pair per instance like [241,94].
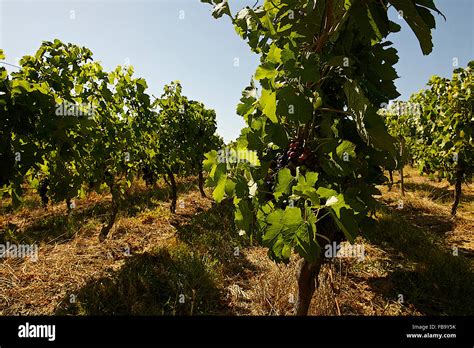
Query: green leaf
[285,223]
[346,147]
[306,245]
[420,27]
[325,193]
[268,104]
[221,9]
[219,191]
[305,187]
[274,54]
[370,125]
[278,134]
[230,188]
[265,71]
[243,215]
[210,160]
[344,215]
[284,183]
[293,105]
[287,55]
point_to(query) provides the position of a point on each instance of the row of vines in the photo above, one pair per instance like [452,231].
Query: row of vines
[69,127]
[434,129]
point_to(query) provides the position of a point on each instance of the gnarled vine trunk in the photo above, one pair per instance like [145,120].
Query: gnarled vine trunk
[106,229]
[457,190]
[402,183]
[307,283]
[174,191]
[402,155]
[201,181]
[68,205]
[166,180]
[104,232]
[390,184]
[309,271]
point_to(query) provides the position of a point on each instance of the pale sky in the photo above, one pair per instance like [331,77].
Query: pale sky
[167,40]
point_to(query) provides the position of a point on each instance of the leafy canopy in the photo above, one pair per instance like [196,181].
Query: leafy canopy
[325,69]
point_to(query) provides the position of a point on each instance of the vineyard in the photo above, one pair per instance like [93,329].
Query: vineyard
[337,198]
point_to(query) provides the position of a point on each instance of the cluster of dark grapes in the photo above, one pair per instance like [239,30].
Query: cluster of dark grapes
[296,155]
[43,190]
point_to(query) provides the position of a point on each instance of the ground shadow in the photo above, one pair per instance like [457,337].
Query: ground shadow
[427,219]
[435,193]
[166,282]
[154,283]
[431,277]
[213,232]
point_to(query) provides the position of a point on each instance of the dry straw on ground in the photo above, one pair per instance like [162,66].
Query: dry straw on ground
[252,286]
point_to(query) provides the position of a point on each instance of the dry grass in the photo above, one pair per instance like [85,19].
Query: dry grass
[343,287]
[427,205]
[152,256]
[67,263]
